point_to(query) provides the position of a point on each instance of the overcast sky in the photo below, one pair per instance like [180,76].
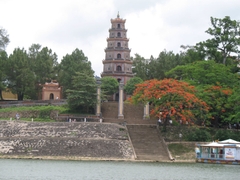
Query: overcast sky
[153,25]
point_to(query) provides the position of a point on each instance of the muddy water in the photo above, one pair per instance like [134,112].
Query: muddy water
[12,169]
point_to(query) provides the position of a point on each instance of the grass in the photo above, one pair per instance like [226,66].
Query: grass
[61,109]
[38,119]
[179,148]
[30,119]
[43,112]
[182,151]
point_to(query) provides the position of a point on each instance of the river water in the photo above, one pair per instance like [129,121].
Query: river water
[19,169]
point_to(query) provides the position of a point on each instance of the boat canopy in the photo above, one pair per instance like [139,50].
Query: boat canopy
[225,143]
[229,141]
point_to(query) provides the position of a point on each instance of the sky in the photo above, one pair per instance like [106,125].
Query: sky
[153,25]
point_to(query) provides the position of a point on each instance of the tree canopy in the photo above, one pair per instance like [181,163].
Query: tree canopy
[3,77]
[215,84]
[217,98]
[70,65]
[83,94]
[155,68]
[225,39]
[109,85]
[4,39]
[174,99]
[140,67]
[165,62]
[205,73]
[20,77]
[43,63]
[130,86]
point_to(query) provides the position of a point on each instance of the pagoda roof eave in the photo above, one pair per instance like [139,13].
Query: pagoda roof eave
[118,20]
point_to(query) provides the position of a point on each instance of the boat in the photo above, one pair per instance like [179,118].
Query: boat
[219,152]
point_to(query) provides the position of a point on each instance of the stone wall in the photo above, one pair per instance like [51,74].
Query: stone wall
[56,102]
[62,139]
[27,114]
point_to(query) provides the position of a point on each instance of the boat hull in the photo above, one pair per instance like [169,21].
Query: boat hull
[217,161]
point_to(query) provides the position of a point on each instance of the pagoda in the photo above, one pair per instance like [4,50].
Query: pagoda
[117,62]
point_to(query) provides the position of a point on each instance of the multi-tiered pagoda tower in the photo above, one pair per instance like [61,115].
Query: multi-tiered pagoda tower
[117,61]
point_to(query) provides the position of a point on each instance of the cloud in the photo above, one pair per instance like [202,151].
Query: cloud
[153,25]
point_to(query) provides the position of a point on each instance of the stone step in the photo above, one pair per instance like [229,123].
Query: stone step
[110,110]
[147,142]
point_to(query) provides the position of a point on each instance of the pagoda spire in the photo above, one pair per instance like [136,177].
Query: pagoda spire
[118,15]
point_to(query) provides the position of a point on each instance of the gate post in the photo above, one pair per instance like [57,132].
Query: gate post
[98,107]
[146,111]
[120,102]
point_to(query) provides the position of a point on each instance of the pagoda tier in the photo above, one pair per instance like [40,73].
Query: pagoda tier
[117,62]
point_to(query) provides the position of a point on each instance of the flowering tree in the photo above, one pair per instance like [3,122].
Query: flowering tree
[220,108]
[172,99]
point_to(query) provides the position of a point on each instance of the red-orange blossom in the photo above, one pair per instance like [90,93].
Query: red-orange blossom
[173,98]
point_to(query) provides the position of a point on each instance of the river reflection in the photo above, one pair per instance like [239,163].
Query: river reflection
[12,169]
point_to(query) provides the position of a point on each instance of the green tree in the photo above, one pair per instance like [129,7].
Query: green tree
[215,83]
[3,61]
[83,95]
[4,39]
[205,73]
[165,61]
[225,39]
[130,86]
[43,64]
[20,78]
[70,64]
[155,68]
[171,99]
[234,100]
[190,54]
[109,86]
[217,98]
[140,67]
[33,51]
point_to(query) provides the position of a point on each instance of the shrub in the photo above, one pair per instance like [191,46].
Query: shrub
[45,113]
[221,135]
[227,134]
[199,135]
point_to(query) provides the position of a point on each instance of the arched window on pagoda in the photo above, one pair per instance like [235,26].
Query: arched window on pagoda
[119,56]
[118,44]
[119,68]
[119,34]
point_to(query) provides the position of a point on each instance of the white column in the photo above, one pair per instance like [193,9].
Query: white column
[120,102]
[98,106]
[146,112]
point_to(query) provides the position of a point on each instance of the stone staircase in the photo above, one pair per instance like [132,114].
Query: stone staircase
[147,143]
[109,110]
[144,135]
[133,114]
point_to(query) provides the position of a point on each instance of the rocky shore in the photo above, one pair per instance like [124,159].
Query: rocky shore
[63,140]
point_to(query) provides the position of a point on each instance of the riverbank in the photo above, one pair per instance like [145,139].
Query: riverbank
[66,158]
[72,141]
[62,139]
[182,151]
